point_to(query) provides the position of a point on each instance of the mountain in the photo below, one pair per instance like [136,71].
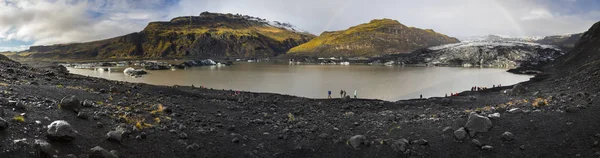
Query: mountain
[565,42]
[203,36]
[378,37]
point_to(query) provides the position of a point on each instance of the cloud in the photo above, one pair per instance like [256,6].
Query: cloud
[44,22]
[65,21]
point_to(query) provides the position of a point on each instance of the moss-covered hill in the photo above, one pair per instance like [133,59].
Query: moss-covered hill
[207,35]
[378,37]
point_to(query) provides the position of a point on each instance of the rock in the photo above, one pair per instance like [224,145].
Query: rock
[476,143]
[3,124]
[113,90]
[420,142]
[102,91]
[478,123]
[514,110]
[87,103]
[116,135]
[522,147]
[487,148]
[69,103]
[357,140]
[99,125]
[44,148]
[518,89]
[193,147]
[447,130]
[61,130]
[571,109]
[183,135]
[82,115]
[71,156]
[494,115]
[460,134]
[235,140]
[99,152]
[400,145]
[507,136]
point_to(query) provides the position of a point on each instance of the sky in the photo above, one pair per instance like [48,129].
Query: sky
[45,22]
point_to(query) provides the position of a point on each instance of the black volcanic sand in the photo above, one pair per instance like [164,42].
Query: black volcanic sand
[197,122]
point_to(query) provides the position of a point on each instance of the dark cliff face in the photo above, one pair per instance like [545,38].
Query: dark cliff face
[204,36]
[585,54]
[564,42]
[378,37]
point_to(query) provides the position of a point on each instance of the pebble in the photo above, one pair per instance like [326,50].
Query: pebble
[507,136]
[476,143]
[460,134]
[487,147]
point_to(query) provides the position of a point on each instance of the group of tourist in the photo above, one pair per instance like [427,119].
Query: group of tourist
[475,88]
[343,94]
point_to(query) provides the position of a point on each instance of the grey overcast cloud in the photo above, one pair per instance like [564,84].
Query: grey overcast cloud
[44,22]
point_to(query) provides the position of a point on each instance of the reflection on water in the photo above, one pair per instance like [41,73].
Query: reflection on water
[313,81]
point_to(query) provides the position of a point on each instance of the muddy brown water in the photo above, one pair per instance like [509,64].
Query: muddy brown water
[375,82]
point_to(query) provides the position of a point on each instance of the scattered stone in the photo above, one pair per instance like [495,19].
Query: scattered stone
[183,135]
[514,110]
[61,130]
[447,130]
[44,148]
[571,109]
[193,147]
[357,140]
[235,140]
[116,135]
[494,115]
[87,103]
[113,90]
[21,142]
[82,115]
[478,123]
[102,90]
[3,124]
[518,89]
[507,136]
[99,125]
[460,134]
[420,142]
[487,148]
[99,152]
[69,103]
[595,143]
[522,147]
[476,143]
[400,145]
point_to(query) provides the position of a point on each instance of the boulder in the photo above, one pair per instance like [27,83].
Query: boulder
[507,136]
[460,134]
[476,143]
[487,148]
[99,152]
[69,103]
[518,89]
[116,135]
[44,148]
[357,140]
[400,145]
[478,123]
[60,131]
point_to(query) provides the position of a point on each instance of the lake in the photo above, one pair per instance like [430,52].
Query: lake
[376,82]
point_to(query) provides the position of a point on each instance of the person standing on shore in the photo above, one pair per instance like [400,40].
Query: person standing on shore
[341,93]
[421,96]
[329,94]
[355,94]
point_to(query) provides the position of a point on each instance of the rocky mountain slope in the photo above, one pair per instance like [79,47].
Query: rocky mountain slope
[204,36]
[479,53]
[378,37]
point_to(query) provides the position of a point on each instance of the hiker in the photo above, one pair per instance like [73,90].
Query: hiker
[493,86]
[421,96]
[341,93]
[446,95]
[329,94]
[354,94]
[345,94]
